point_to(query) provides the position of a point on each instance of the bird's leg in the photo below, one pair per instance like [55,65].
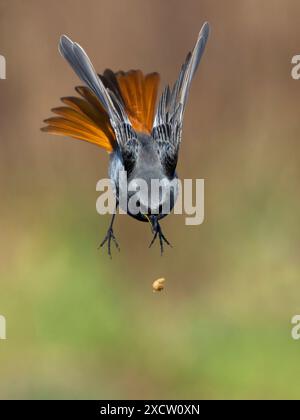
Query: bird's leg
[110,237]
[158,233]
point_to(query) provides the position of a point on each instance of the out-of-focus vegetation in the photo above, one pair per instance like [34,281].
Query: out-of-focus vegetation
[80,325]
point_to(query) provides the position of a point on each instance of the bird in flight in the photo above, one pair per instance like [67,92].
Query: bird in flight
[117,112]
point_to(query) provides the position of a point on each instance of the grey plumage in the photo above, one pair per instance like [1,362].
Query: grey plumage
[143,156]
[167,127]
[81,64]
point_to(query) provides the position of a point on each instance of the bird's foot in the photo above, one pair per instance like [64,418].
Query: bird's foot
[162,239]
[108,238]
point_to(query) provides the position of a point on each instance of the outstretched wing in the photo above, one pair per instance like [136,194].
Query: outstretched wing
[112,107]
[169,116]
[81,64]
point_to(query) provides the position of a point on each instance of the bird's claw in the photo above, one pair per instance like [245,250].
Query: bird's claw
[162,239]
[108,238]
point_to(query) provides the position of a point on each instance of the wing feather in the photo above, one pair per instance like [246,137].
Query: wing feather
[111,107]
[168,120]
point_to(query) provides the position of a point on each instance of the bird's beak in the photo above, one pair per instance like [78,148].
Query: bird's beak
[149,220]
[152,220]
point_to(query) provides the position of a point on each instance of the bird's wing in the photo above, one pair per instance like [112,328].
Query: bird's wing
[112,107]
[168,120]
[81,64]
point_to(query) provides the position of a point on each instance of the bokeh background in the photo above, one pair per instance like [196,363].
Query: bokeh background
[80,325]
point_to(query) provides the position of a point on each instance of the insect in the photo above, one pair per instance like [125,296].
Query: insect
[158,285]
[117,111]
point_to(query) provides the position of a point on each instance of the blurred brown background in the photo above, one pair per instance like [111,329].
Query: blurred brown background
[82,326]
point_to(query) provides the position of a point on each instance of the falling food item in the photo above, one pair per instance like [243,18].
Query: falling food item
[158,285]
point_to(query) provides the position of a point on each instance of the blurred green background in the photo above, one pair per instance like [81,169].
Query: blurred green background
[80,325]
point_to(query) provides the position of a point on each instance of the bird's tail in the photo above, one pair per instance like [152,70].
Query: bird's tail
[82,118]
[108,100]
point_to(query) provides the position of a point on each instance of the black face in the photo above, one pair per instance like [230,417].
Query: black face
[147,217]
[148,214]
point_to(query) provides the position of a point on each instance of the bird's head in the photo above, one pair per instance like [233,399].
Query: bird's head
[151,199]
